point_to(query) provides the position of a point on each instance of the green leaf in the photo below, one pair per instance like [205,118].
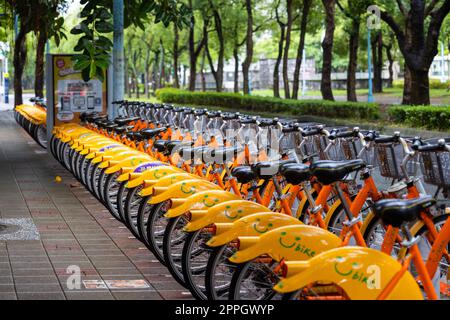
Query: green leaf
[85,74]
[103,26]
[100,74]
[82,64]
[76,30]
[93,70]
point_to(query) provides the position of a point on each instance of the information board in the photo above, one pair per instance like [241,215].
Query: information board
[70,94]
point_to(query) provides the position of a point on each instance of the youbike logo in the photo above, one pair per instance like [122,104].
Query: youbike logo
[374,18]
[371,277]
[146,166]
[109,147]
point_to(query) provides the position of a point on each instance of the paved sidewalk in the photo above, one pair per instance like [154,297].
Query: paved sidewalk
[10,106]
[62,225]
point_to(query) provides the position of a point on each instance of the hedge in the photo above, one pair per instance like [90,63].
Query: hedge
[429,117]
[434,84]
[330,109]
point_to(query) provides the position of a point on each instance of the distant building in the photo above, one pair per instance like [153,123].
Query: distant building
[261,76]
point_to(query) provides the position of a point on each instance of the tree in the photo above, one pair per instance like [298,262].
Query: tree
[276,70]
[352,11]
[417,30]
[249,47]
[49,25]
[327,47]
[306,6]
[194,49]
[218,74]
[93,44]
[287,40]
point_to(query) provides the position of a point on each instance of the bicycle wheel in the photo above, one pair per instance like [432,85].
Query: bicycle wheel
[173,242]
[444,265]
[121,195]
[88,175]
[66,153]
[95,180]
[144,211]
[156,226]
[110,191]
[219,272]
[132,201]
[101,185]
[254,280]
[194,261]
[41,136]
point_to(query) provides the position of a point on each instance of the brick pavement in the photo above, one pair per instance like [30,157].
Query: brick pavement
[73,229]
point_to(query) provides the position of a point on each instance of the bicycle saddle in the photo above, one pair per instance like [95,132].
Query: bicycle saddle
[191,153]
[175,144]
[224,154]
[110,125]
[295,173]
[243,174]
[328,172]
[135,136]
[123,121]
[151,133]
[395,212]
[266,170]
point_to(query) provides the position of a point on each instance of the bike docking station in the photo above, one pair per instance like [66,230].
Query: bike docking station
[68,95]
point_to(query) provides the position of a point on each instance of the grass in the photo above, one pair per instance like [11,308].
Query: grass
[435,94]
[381,125]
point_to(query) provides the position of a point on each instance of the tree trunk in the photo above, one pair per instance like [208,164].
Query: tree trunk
[353,61]
[202,71]
[221,54]
[287,90]
[379,67]
[39,69]
[236,68]
[176,82]
[125,75]
[420,87]
[327,46]
[249,47]
[276,69]
[377,64]
[407,87]
[194,52]
[301,46]
[20,56]
[390,82]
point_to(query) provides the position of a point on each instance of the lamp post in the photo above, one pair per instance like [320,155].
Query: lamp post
[442,63]
[118,54]
[304,74]
[370,97]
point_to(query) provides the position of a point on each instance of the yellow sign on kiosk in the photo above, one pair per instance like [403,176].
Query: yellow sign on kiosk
[72,95]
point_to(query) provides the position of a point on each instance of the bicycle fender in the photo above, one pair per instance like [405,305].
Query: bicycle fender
[127,171]
[225,212]
[331,212]
[370,216]
[361,272]
[164,182]
[201,200]
[128,162]
[252,225]
[182,189]
[110,155]
[103,149]
[291,242]
[136,179]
